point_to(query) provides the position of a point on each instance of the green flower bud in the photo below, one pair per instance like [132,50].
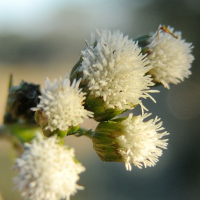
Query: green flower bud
[104,140]
[20,99]
[98,106]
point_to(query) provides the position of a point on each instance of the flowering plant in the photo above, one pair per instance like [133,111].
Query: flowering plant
[113,75]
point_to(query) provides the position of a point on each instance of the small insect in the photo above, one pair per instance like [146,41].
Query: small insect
[166,30]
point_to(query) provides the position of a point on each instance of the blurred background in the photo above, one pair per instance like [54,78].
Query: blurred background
[40,39]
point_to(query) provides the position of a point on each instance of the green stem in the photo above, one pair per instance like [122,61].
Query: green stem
[23,132]
[85,132]
[18,134]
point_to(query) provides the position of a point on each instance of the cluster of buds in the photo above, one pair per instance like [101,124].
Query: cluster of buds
[113,75]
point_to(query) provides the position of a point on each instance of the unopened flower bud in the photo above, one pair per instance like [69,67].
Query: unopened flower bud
[20,99]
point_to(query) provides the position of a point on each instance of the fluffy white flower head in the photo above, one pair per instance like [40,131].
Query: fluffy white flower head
[171,58]
[47,171]
[62,104]
[141,141]
[115,70]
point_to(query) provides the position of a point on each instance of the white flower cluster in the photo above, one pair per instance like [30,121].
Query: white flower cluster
[170,57]
[141,142]
[62,104]
[47,171]
[115,70]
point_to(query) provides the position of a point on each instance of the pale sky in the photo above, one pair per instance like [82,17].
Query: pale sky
[18,14]
[38,17]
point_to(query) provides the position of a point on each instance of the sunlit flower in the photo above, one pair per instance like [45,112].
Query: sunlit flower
[114,69]
[170,57]
[141,141]
[47,171]
[130,140]
[62,104]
